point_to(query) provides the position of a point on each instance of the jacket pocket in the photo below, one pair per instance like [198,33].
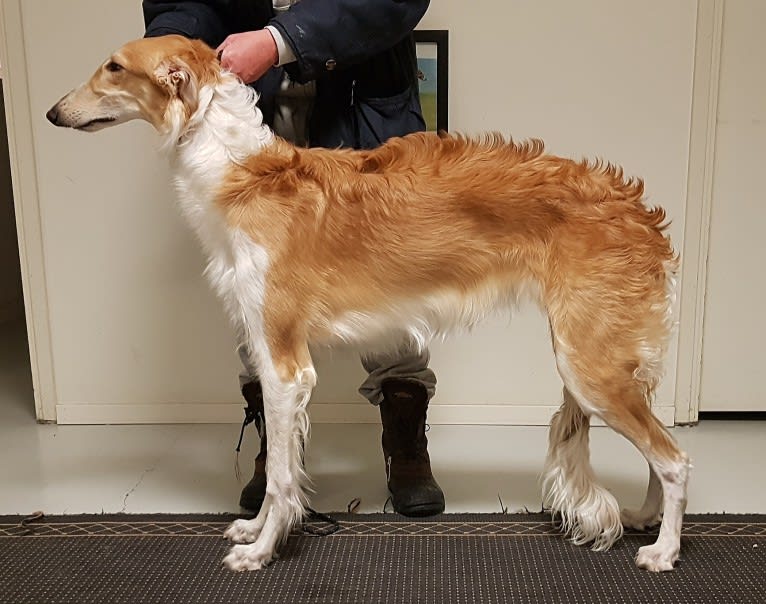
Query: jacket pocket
[379,118]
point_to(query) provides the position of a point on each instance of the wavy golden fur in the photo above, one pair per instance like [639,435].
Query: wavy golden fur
[430,213]
[426,233]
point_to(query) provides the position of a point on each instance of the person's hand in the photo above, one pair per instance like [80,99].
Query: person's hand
[249,55]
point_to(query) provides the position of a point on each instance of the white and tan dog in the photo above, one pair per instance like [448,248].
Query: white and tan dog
[398,245]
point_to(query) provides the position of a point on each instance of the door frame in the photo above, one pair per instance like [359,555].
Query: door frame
[26,202]
[699,196]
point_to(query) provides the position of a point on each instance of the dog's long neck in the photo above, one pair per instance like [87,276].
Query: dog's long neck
[226,128]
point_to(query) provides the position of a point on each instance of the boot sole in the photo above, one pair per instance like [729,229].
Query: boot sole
[421,509]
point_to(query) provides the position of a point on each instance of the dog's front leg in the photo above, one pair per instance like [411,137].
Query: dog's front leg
[287,384]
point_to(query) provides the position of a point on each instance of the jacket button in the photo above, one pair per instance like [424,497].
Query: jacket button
[330,64]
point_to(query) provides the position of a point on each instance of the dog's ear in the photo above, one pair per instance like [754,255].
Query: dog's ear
[175,76]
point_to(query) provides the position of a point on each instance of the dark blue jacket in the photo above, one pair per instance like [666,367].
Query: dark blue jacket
[360,52]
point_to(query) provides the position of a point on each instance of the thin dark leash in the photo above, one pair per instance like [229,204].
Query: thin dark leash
[331,525]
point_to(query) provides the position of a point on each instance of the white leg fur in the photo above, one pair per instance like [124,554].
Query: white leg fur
[673,477]
[589,513]
[650,513]
[283,507]
[242,286]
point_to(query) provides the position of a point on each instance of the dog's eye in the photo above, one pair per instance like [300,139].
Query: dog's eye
[112,66]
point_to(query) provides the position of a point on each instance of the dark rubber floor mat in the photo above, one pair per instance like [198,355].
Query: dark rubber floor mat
[377,558]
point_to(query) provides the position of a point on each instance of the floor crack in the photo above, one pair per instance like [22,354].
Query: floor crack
[151,468]
[135,486]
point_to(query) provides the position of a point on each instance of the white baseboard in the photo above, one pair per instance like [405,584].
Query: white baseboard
[321,413]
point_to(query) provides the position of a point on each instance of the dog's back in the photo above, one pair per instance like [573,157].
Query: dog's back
[427,214]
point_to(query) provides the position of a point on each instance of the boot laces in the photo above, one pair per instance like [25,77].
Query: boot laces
[250,417]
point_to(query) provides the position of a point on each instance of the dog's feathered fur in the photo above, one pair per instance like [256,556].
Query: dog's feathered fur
[403,243]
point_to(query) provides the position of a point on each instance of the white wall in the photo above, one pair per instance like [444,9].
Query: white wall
[133,326]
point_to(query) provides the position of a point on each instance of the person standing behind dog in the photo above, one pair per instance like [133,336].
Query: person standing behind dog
[340,73]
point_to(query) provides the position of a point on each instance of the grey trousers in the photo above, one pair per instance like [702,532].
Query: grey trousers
[407,364]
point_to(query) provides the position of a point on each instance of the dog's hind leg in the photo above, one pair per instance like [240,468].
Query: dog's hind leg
[287,380]
[670,467]
[588,512]
[609,384]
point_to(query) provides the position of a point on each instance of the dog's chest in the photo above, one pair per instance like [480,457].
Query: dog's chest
[197,183]
[237,266]
[196,200]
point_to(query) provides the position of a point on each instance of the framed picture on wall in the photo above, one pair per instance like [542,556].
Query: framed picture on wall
[432,49]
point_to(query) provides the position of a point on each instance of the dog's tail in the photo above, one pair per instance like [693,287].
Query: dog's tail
[588,512]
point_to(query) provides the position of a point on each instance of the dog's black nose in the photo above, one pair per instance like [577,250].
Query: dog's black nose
[53,115]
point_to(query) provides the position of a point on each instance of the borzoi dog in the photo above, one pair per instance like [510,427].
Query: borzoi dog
[398,245]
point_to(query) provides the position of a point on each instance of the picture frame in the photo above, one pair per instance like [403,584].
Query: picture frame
[432,51]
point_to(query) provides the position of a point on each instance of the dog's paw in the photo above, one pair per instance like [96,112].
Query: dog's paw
[636,519]
[247,557]
[656,558]
[242,531]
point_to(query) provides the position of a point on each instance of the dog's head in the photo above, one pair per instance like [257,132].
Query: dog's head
[154,79]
